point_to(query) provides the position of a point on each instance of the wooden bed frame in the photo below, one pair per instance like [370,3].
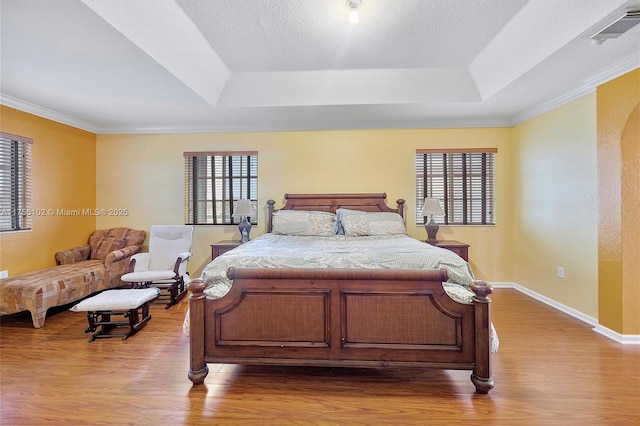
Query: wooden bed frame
[340,317]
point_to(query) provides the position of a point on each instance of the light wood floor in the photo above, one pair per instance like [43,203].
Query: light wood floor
[550,369]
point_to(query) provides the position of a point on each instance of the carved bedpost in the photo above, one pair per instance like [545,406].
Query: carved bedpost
[401,206]
[198,369]
[481,376]
[270,210]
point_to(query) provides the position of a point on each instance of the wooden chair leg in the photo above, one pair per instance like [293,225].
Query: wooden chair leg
[92,317]
[103,323]
[135,323]
[176,292]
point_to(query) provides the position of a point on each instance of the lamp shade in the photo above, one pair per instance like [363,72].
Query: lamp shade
[431,206]
[244,208]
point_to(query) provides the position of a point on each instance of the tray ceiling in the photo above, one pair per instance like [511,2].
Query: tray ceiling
[229,65]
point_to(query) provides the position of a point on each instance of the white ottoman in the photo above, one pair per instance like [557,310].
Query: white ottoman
[132,304]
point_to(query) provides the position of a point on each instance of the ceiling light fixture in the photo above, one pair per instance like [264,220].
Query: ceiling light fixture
[353,6]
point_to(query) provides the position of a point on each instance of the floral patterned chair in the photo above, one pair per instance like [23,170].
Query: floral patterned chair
[81,272]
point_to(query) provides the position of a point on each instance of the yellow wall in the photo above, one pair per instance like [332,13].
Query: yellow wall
[555,205]
[63,177]
[619,209]
[576,204]
[567,191]
[145,174]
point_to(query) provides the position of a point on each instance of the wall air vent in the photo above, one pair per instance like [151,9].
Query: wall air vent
[617,27]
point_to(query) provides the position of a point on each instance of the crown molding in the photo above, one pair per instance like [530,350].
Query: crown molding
[30,108]
[626,65]
[311,126]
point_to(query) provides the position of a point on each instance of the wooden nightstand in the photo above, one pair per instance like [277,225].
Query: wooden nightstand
[461,249]
[222,247]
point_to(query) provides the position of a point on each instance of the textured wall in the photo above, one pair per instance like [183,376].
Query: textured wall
[618,183]
[62,178]
[631,223]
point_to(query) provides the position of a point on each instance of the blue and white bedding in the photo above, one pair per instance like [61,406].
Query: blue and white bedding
[395,251]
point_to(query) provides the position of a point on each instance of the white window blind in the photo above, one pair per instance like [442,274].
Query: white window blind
[463,181]
[15,182]
[215,181]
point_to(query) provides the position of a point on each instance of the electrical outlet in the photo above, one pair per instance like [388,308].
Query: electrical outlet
[560,272]
[4,274]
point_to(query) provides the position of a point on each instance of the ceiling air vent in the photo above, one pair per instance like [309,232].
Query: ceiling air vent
[617,27]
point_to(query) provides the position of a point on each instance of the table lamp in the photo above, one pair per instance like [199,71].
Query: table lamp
[244,209]
[431,206]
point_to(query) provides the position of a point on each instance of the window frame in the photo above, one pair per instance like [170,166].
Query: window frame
[15,183]
[454,176]
[224,183]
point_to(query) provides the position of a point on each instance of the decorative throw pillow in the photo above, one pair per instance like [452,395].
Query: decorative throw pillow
[303,223]
[386,223]
[105,246]
[373,223]
[341,213]
[355,225]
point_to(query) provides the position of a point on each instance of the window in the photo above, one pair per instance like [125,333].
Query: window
[463,181]
[15,182]
[215,181]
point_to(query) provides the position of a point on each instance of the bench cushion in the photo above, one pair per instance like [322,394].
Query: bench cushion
[117,300]
[39,290]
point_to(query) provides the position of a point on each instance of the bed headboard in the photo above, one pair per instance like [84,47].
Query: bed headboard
[332,202]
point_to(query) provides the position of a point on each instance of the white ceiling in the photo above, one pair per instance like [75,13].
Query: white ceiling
[238,65]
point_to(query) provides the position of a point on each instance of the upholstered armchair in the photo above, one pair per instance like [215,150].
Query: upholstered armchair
[113,247]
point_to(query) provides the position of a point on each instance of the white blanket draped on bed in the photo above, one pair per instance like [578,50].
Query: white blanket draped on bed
[339,251]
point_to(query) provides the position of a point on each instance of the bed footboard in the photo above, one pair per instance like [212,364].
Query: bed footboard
[340,317]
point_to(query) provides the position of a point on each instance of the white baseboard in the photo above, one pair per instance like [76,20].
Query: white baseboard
[625,339]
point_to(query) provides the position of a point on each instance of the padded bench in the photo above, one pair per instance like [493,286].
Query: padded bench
[40,290]
[132,304]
